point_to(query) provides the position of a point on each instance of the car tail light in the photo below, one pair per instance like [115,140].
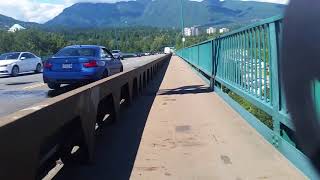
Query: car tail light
[47,65]
[90,64]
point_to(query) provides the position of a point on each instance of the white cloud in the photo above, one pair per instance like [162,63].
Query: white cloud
[272,1]
[28,10]
[109,1]
[43,10]
[37,10]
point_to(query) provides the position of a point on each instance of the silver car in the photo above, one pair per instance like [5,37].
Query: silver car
[117,54]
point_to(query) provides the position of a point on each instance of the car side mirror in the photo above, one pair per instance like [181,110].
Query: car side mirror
[22,58]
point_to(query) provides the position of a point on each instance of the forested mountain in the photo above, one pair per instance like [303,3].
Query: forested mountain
[164,13]
[156,13]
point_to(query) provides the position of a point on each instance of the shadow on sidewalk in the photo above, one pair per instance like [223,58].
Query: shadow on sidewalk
[194,89]
[117,145]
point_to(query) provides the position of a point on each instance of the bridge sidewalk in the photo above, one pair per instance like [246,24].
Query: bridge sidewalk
[193,134]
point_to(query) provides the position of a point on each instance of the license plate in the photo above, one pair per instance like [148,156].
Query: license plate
[66,66]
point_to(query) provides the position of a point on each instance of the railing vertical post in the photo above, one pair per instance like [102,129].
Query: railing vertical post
[273,41]
[198,56]
[213,67]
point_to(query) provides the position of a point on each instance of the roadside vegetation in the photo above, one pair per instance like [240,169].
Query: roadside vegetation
[134,39]
[258,113]
[45,43]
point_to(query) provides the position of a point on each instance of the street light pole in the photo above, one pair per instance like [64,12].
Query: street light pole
[182,22]
[126,36]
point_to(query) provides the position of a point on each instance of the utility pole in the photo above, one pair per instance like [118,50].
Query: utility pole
[182,23]
[126,34]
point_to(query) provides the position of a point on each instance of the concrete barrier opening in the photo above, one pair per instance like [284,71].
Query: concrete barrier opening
[60,146]
[125,96]
[148,75]
[135,90]
[144,80]
[152,72]
[106,111]
[140,84]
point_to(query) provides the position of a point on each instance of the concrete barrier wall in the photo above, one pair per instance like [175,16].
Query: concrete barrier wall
[31,140]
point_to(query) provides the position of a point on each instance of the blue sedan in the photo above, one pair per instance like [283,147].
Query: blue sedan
[78,64]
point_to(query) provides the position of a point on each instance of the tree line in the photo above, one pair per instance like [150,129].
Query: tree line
[133,39]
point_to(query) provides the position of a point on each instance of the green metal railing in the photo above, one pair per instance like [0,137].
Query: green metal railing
[246,62]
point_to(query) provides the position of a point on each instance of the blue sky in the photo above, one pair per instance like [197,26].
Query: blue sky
[43,10]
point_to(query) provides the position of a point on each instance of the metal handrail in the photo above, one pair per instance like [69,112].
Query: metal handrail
[246,61]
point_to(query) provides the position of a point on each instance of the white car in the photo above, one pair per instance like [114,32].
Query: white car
[17,62]
[117,54]
[167,50]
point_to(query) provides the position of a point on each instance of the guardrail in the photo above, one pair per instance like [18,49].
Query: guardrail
[246,62]
[31,140]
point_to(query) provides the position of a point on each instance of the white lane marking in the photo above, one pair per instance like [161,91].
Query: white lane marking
[33,86]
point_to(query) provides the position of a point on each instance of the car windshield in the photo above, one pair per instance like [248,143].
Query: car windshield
[7,56]
[115,51]
[89,52]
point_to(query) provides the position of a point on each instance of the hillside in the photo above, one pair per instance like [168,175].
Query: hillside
[7,22]
[164,13]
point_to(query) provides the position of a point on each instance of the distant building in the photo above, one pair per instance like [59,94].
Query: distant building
[224,30]
[16,27]
[192,31]
[211,30]
[187,31]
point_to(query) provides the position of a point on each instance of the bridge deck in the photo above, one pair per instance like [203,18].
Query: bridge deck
[193,134]
[181,131]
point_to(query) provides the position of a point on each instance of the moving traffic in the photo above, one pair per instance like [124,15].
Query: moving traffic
[27,88]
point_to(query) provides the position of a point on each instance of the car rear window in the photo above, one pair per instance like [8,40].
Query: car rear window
[89,52]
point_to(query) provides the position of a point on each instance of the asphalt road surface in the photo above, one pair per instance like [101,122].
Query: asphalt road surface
[17,93]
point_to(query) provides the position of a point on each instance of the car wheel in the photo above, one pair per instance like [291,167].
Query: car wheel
[105,74]
[38,68]
[15,71]
[53,85]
